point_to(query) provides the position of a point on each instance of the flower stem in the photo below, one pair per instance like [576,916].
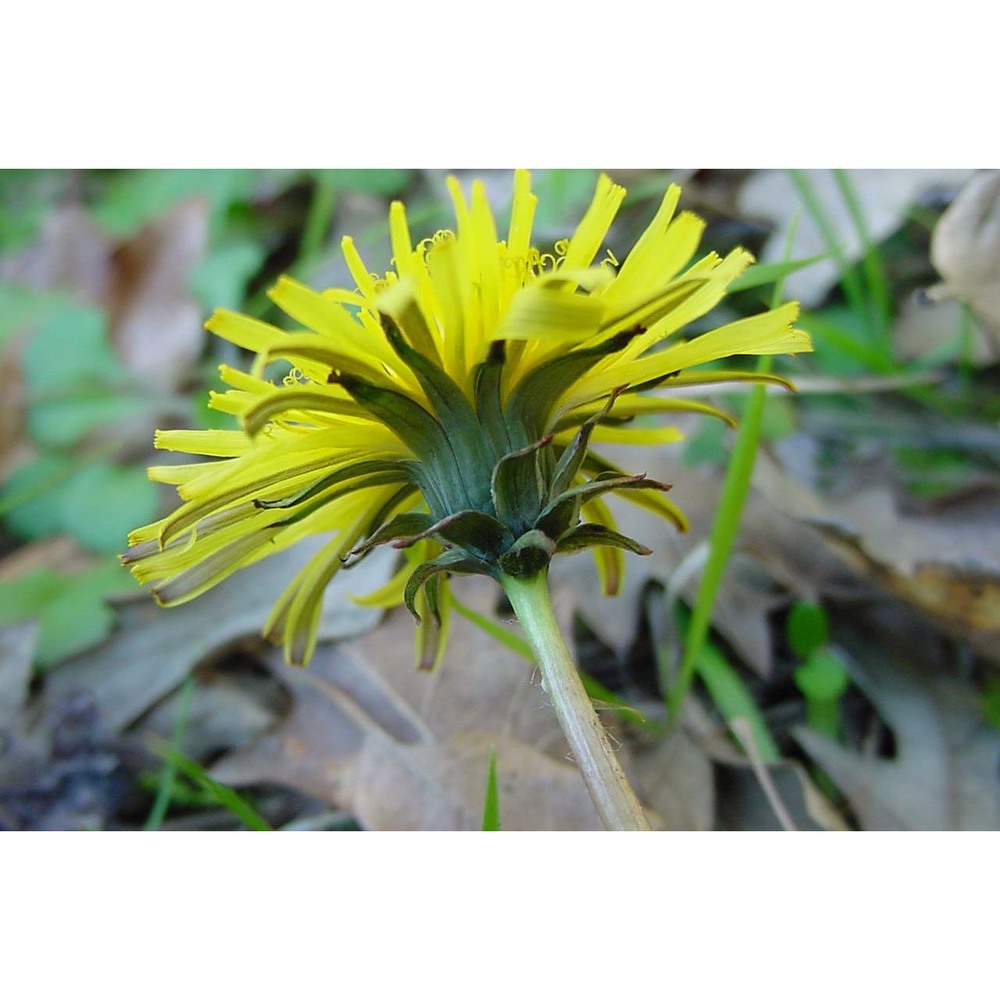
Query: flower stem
[613,797]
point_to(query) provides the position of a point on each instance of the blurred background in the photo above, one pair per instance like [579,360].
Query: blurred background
[852,673]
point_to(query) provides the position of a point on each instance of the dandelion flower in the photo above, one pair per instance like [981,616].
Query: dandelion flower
[451,408]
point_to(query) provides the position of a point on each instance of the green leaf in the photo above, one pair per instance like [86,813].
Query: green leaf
[68,348]
[220,280]
[26,200]
[561,195]
[32,499]
[807,628]
[491,802]
[71,609]
[133,198]
[75,381]
[380,182]
[991,704]
[103,502]
[822,677]
[22,308]
[842,343]
[62,422]
[165,786]
[778,418]
[707,445]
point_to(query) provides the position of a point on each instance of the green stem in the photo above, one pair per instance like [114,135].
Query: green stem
[613,797]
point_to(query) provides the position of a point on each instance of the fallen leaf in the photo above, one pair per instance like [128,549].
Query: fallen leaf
[222,712]
[965,249]
[156,323]
[676,778]
[945,561]
[60,551]
[408,749]
[154,649]
[441,786]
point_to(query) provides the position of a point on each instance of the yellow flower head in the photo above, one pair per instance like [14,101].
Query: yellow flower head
[449,409]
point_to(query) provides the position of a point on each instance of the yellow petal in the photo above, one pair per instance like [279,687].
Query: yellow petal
[250,334]
[330,319]
[589,235]
[214,443]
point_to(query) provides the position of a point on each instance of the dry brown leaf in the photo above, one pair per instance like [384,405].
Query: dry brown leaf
[222,712]
[405,749]
[70,252]
[884,196]
[965,249]
[441,786]
[945,561]
[156,324]
[59,552]
[154,649]
[676,778]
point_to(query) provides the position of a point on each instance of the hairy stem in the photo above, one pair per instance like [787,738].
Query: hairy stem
[616,803]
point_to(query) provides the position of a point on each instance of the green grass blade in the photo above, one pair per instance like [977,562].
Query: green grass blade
[493,629]
[721,538]
[491,803]
[848,277]
[871,262]
[164,791]
[226,797]
[734,701]
[766,274]
[726,523]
